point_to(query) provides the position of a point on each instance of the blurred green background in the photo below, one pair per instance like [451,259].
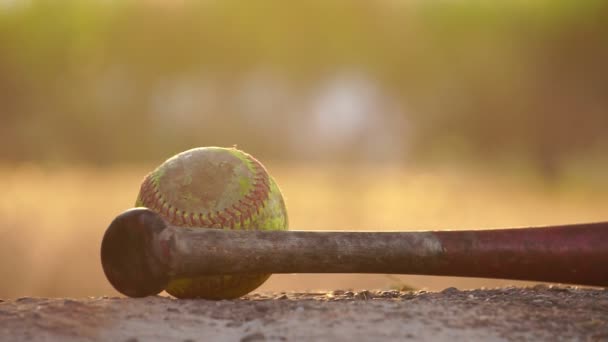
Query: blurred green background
[370,114]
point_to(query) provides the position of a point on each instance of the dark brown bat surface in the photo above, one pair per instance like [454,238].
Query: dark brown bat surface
[140,253]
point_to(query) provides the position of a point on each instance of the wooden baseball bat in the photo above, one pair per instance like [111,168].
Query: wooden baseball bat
[140,253]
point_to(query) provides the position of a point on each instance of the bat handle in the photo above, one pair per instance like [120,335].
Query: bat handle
[130,256]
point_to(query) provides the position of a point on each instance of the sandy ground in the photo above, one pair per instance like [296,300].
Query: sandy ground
[539,313]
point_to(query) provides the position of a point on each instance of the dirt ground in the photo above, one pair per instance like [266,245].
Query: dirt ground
[540,313]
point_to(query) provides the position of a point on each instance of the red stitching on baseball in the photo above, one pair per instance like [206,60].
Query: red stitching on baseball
[195,219]
[188,220]
[158,202]
[246,204]
[223,220]
[171,215]
[233,215]
[204,222]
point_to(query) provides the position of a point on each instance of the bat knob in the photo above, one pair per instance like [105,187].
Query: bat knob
[128,256]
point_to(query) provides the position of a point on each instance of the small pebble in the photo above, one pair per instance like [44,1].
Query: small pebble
[389,294]
[450,290]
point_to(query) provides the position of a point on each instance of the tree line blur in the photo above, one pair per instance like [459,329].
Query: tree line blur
[366,81]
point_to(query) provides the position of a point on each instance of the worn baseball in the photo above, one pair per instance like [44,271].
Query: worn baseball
[215,187]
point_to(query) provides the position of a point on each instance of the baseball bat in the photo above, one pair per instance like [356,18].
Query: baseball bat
[141,253]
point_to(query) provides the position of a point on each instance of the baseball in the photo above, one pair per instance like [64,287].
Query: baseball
[214,187]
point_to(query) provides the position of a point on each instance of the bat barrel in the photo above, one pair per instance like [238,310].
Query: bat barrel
[572,254]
